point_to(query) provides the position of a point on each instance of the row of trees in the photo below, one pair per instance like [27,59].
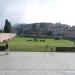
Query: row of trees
[34,29]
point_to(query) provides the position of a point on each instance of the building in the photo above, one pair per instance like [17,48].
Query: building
[71,33]
[58,28]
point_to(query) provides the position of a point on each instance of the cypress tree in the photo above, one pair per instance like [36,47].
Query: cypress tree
[7,27]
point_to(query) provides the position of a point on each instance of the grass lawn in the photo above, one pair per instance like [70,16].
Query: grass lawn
[22,44]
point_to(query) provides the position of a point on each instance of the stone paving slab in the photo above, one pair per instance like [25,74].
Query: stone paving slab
[37,63]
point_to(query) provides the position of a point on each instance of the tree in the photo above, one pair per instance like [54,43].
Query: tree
[7,27]
[43,28]
[34,27]
[49,33]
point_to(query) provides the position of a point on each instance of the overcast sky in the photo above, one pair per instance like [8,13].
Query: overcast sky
[30,11]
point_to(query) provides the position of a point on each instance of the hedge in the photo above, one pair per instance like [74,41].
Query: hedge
[65,49]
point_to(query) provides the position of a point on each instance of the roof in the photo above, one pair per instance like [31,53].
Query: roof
[6,36]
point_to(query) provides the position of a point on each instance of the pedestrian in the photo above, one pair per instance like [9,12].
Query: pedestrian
[7,48]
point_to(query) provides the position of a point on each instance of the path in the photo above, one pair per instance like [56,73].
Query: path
[37,63]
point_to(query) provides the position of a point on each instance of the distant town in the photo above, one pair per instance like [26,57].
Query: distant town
[57,30]
[50,30]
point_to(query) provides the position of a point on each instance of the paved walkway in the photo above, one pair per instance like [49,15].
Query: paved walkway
[37,63]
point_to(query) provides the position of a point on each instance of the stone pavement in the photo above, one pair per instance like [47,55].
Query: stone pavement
[37,63]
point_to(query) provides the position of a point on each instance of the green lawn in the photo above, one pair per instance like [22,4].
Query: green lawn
[21,44]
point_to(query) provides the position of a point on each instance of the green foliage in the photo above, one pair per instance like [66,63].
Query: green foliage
[34,27]
[7,27]
[49,33]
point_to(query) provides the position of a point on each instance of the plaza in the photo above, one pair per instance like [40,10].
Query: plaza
[37,63]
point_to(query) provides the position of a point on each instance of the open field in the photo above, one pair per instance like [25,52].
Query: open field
[28,44]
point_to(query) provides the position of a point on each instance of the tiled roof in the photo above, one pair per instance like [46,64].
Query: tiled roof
[6,36]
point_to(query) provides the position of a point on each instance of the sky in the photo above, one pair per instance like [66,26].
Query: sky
[32,11]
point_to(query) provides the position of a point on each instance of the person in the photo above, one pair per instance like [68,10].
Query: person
[7,48]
